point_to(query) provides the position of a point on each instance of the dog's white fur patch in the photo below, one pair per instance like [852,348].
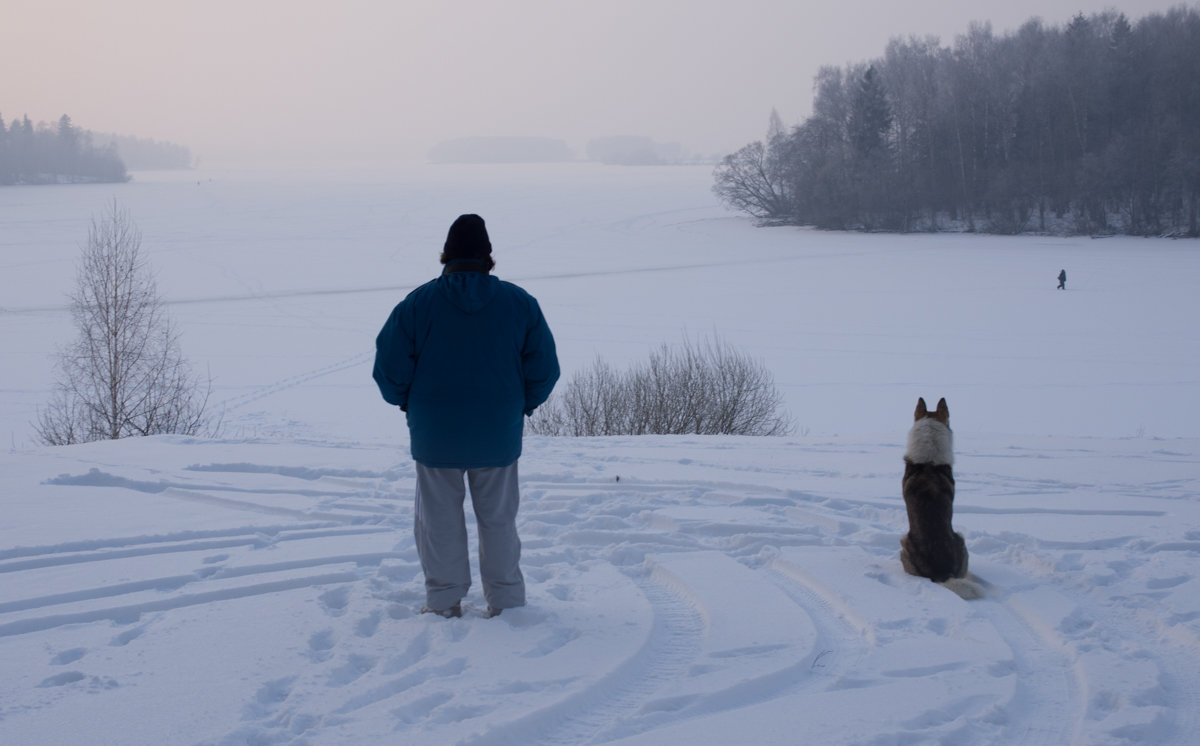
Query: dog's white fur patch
[930,442]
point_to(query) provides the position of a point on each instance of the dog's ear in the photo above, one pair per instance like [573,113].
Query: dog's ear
[921,412]
[943,413]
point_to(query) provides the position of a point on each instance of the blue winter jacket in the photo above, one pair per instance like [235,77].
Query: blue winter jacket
[467,356]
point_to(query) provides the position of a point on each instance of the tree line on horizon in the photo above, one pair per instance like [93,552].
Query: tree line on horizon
[1092,128]
[64,153]
[52,154]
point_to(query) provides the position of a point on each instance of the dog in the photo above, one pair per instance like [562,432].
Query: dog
[931,548]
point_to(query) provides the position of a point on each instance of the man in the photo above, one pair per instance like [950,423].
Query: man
[467,356]
[1062,279]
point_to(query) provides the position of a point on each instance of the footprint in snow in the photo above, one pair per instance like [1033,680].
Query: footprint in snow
[335,601]
[127,637]
[1156,584]
[319,645]
[368,625]
[268,698]
[354,667]
[67,657]
[63,679]
[459,713]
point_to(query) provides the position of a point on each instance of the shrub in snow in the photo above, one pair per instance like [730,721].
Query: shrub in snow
[704,388]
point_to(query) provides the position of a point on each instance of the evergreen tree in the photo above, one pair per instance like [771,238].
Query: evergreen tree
[5,155]
[870,115]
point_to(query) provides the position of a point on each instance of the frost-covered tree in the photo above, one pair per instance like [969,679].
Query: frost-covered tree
[1086,128]
[753,180]
[124,374]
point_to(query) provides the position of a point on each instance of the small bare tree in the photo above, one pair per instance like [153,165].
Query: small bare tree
[705,388]
[124,374]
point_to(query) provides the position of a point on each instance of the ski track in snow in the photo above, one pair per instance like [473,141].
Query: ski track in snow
[259,393]
[657,605]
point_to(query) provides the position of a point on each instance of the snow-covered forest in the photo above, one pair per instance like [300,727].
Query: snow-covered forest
[1086,128]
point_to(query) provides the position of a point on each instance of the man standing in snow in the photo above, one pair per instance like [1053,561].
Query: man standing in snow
[1062,279]
[467,356]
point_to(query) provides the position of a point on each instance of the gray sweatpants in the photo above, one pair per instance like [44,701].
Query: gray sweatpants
[440,528]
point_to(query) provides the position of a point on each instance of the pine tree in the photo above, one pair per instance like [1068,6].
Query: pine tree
[870,115]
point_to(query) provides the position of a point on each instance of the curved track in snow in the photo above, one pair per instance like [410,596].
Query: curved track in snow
[680,590]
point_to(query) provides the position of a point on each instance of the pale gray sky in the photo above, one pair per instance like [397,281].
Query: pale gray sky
[323,80]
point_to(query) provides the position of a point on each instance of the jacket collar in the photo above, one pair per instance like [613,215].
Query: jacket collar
[466,265]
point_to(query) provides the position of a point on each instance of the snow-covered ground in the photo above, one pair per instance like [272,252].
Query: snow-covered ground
[262,586]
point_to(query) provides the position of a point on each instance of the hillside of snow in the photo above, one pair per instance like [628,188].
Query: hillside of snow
[261,586]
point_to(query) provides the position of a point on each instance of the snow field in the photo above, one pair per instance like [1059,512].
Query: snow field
[699,596]
[262,586]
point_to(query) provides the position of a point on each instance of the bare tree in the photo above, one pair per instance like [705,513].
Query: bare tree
[753,179]
[124,374]
[704,388]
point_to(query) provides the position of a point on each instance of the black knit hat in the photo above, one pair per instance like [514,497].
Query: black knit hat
[467,239]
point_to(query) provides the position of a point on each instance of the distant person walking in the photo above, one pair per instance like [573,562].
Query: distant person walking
[467,356]
[1062,279]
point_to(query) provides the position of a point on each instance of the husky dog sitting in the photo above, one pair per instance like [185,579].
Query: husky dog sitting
[931,548]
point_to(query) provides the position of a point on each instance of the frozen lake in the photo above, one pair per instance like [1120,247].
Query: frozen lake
[279,281]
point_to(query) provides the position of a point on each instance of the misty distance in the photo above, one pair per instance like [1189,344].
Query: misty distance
[1084,128]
